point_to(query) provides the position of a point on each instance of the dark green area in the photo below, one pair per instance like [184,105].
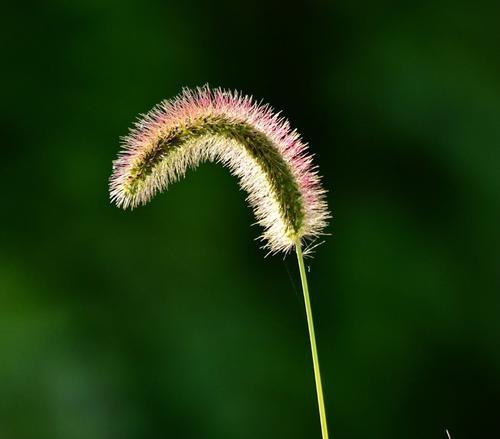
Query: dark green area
[167,322]
[260,148]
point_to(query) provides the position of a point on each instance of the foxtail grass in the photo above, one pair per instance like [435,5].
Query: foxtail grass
[258,146]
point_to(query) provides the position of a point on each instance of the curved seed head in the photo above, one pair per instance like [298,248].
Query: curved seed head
[256,144]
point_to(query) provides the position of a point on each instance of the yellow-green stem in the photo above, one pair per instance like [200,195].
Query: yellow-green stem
[312,339]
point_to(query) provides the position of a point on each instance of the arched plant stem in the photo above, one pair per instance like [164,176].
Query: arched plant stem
[312,339]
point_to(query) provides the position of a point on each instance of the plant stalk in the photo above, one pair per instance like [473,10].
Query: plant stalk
[312,339]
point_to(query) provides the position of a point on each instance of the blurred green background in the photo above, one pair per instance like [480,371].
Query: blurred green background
[167,322]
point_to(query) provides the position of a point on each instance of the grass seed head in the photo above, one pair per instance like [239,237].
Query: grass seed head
[257,145]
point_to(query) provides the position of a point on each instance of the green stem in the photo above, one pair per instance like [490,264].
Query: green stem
[312,339]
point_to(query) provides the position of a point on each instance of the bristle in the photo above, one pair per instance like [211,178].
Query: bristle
[255,143]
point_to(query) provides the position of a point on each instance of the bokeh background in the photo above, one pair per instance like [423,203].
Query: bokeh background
[168,322]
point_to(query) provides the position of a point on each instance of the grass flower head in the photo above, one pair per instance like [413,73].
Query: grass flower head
[256,144]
